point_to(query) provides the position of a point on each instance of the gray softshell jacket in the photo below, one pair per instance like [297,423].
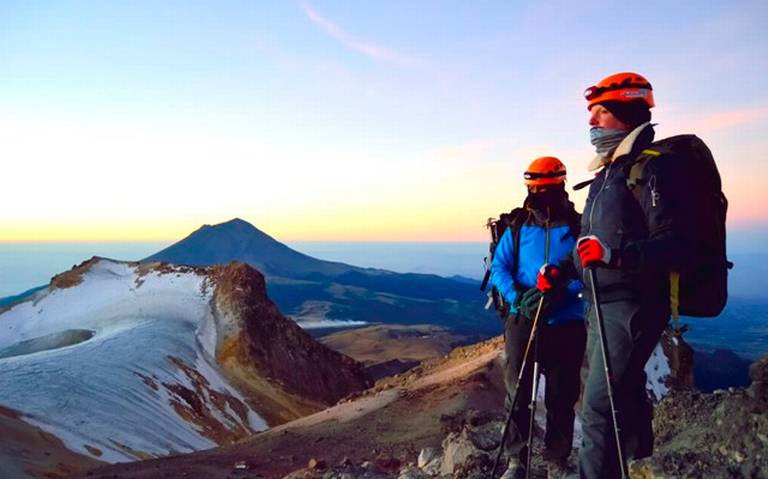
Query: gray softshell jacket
[644,229]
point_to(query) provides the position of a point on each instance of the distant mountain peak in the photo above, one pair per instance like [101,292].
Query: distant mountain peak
[237,221]
[235,225]
[239,240]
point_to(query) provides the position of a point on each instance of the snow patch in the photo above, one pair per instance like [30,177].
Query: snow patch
[657,369]
[329,323]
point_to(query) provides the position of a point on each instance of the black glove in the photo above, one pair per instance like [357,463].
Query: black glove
[529,303]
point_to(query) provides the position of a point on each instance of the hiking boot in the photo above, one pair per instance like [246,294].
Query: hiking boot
[558,470]
[515,470]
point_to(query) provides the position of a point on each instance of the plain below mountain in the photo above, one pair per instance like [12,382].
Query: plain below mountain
[387,350]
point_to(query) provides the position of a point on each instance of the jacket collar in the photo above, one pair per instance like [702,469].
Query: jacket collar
[625,147]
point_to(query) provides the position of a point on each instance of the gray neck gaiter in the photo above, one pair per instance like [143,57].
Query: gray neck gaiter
[605,140]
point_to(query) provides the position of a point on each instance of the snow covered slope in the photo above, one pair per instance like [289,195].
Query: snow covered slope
[120,366]
[125,361]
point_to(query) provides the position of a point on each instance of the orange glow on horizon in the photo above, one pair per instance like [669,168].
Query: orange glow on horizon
[465,231]
[342,227]
[453,210]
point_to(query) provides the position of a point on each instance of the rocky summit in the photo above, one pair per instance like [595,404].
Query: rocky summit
[720,435]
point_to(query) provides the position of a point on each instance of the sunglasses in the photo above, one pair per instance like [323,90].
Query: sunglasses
[594,92]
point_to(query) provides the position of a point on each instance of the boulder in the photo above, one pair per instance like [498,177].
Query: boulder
[427,456]
[461,453]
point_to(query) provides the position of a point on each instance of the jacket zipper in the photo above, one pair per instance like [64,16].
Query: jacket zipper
[594,201]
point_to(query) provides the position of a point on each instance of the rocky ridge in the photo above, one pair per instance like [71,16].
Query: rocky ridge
[255,342]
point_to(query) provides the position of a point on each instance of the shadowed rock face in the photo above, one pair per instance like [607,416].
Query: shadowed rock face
[256,341]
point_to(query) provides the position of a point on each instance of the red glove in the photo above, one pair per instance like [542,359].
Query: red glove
[549,276]
[593,252]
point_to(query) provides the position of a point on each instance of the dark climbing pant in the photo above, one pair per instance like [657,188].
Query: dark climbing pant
[632,331]
[560,352]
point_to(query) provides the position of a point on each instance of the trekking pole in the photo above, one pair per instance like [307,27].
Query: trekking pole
[607,368]
[536,371]
[504,431]
[532,406]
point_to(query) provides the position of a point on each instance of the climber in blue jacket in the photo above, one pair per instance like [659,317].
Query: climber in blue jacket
[533,263]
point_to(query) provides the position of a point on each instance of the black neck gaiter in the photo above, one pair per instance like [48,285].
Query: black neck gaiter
[550,205]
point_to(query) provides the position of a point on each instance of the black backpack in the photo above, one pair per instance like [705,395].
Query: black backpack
[514,221]
[701,287]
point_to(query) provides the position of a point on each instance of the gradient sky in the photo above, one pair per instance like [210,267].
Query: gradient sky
[320,120]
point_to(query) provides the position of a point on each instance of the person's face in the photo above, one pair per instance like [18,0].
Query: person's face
[538,188]
[600,117]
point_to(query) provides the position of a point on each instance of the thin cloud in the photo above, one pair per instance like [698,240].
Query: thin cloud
[719,121]
[730,119]
[510,152]
[370,50]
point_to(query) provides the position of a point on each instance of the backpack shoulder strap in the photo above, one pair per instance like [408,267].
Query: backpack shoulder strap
[634,178]
[513,221]
[636,170]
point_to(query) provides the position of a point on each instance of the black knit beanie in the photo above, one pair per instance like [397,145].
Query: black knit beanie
[632,113]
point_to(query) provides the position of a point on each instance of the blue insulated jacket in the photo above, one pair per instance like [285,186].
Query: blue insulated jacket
[531,259]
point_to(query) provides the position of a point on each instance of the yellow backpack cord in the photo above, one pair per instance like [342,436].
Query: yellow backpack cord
[674,294]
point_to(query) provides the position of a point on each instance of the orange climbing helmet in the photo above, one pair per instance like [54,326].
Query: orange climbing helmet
[623,87]
[546,170]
